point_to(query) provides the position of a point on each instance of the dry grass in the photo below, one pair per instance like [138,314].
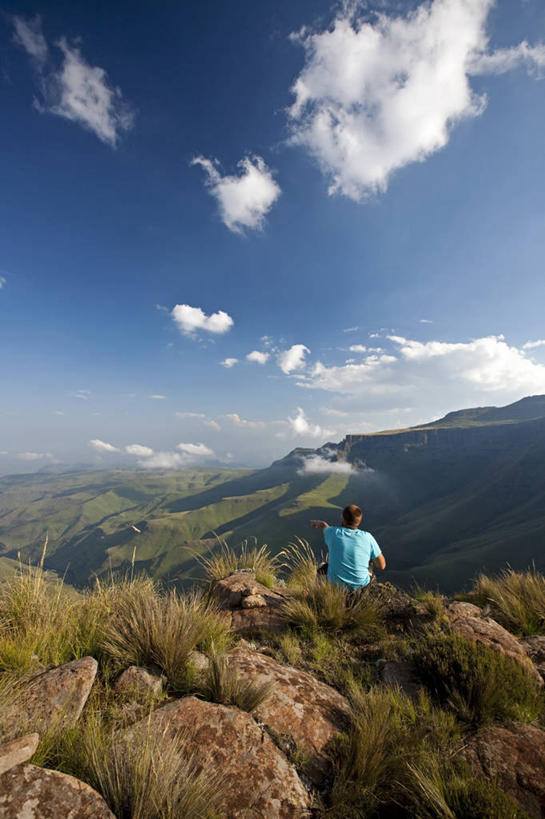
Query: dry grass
[229,561]
[300,562]
[516,599]
[224,685]
[150,627]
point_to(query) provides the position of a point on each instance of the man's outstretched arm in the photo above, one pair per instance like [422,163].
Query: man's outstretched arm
[319,524]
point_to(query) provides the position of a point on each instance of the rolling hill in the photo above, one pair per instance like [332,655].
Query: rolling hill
[444,499]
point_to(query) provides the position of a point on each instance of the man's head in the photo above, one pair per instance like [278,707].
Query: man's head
[351,516]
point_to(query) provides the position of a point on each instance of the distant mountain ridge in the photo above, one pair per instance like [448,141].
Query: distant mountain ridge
[444,499]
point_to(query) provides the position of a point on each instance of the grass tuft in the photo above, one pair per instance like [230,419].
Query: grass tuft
[300,562]
[480,684]
[516,600]
[224,685]
[228,561]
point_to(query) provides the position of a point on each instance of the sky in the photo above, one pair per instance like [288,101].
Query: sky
[231,229]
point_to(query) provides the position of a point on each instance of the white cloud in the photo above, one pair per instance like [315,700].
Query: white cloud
[350,329]
[200,450]
[191,319]
[139,450]
[183,415]
[293,359]
[28,34]
[2,281]
[432,377]
[213,424]
[531,345]
[358,348]
[243,200]
[157,397]
[315,464]
[102,446]
[375,96]
[76,90]
[237,421]
[83,395]
[300,425]
[258,357]
[229,362]
[425,321]
[35,456]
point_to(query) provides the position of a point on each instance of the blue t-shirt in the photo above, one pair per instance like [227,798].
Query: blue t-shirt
[350,551]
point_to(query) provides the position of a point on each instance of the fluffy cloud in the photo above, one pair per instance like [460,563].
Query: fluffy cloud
[157,397]
[2,281]
[82,395]
[531,345]
[199,450]
[237,421]
[429,378]
[358,348]
[183,415]
[300,425]
[139,450]
[316,465]
[243,200]
[34,456]
[187,455]
[229,362]
[258,357]
[102,446]
[189,320]
[293,359]
[75,90]
[375,96]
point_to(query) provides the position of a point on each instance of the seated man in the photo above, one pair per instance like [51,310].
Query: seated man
[350,550]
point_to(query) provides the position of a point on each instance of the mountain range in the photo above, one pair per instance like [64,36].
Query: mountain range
[444,500]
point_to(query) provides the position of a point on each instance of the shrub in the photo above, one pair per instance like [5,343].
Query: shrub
[229,561]
[479,683]
[333,609]
[389,734]
[148,627]
[516,599]
[223,685]
[432,601]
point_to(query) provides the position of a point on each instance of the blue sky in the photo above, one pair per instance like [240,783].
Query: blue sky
[188,184]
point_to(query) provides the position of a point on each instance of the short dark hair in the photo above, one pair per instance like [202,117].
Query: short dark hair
[352,516]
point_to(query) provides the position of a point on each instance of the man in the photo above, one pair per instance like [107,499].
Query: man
[350,550]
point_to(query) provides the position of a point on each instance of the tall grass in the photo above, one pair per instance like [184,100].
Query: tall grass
[516,599]
[150,627]
[480,684]
[333,609]
[224,685]
[300,562]
[228,560]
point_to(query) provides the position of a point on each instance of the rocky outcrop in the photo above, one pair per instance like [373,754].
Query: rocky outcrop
[28,792]
[535,649]
[301,712]
[400,674]
[486,631]
[399,611]
[139,681]
[55,698]
[513,757]
[249,606]
[257,779]
[17,751]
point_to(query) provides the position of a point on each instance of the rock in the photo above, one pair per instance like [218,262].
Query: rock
[399,611]
[17,751]
[486,631]
[535,649]
[249,606]
[253,601]
[400,674]
[258,781]
[514,758]
[140,681]
[300,708]
[200,662]
[458,609]
[55,698]
[29,792]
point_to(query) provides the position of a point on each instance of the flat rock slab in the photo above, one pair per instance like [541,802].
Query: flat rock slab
[486,631]
[249,606]
[300,708]
[17,751]
[29,792]
[56,698]
[514,757]
[258,781]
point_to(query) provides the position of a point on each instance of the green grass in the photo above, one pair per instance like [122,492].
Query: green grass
[228,560]
[224,685]
[516,600]
[478,683]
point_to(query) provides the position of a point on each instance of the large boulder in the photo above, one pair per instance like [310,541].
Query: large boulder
[28,792]
[258,781]
[514,757]
[535,649]
[55,698]
[249,606]
[300,711]
[140,682]
[486,631]
[17,751]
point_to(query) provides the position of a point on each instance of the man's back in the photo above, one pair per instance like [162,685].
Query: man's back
[350,551]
